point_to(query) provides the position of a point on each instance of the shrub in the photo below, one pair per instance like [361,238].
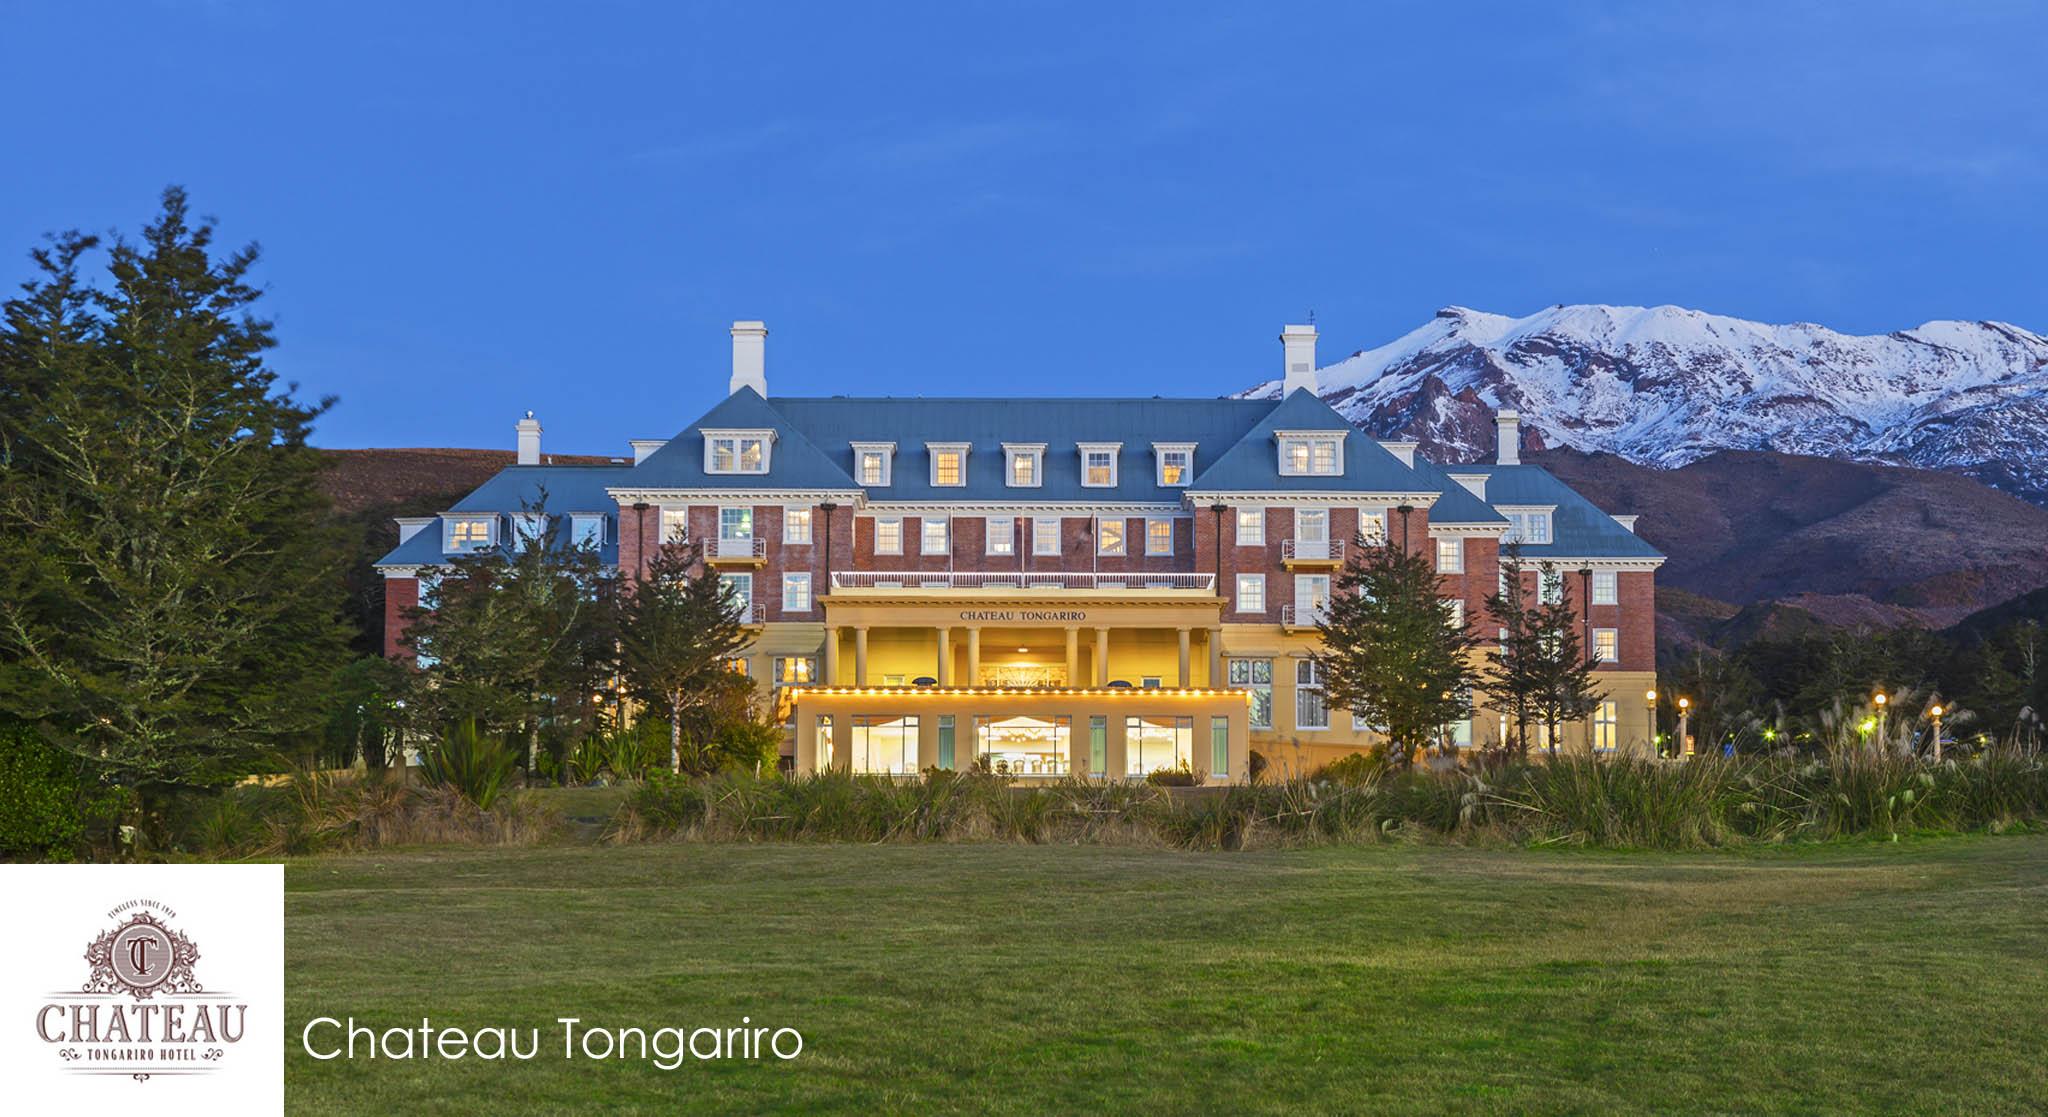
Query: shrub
[1357,767]
[472,762]
[1179,776]
[49,806]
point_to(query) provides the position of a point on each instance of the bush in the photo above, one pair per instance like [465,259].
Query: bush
[474,763]
[49,807]
[1179,776]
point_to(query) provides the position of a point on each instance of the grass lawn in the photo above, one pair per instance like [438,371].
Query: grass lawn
[1904,978]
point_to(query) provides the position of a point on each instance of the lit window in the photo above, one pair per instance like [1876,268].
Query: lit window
[1158,537]
[1109,537]
[1251,527]
[675,525]
[1255,677]
[587,530]
[1311,456]
[1606,588]
[1605,727]
[737,664]
[935,536]
[1450,556]
[796,525]
[949,465]
[468,535]
[736,453]
[791,671]
[1045,535]
[872,461]
[888,535]
[1311,598]
[1607,645]
[1176,464]
[735,524]
[1026,464]
[1098,464]
[796,593]
[1251,593]
[884,745]
[1001,535]
[1372,526]
[1153,744]
[1310,710]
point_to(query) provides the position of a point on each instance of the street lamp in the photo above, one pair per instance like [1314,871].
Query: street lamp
[1935,713]
[1684,716]
[1879,700]
[1650,704]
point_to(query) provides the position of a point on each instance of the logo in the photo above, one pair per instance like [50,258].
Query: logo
[141,1011]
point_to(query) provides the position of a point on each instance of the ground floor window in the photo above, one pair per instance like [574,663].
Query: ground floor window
[1098,746]
[823,743]
[1605,727]
[946,741]
[885,745]
[1024,746]
[1152,744]
[1256,677]
[791,671]
[1219,747]
[1310,711]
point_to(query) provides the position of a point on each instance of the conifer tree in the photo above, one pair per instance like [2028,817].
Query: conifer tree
[1509,681]
[1394,650]
[1559,672]
[679,625]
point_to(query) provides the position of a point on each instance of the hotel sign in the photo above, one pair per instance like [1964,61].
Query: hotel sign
[1006,616]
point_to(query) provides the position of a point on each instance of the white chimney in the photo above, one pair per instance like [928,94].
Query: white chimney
[1402,450]
[529,440]
[1298,344]
[1509,424]
[749,357]
[1628,521]
[645,447]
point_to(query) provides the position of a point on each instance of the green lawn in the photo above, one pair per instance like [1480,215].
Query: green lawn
[1905,978]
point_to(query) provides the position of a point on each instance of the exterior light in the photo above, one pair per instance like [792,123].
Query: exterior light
[1649,696]
[1936,711]
[1685,703]
[1879,698]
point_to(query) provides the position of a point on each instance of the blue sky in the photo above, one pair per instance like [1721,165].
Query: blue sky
[470,210]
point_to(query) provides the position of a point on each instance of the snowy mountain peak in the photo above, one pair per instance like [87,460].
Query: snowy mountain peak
[1667,385]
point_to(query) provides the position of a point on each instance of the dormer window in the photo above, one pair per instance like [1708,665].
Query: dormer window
[1311,454]
[1176,463]
[873,462]
[1098,464]
[737,451]
[949,464]
[587,529]
[1529,526]
[533,527]
[1024,464]
[469,533]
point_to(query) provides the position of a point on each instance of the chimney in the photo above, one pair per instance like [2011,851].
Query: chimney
[749,357]
[1402,450]
[1298,343]
[644,448]
[1628,521]
[529,440]
[1509,424]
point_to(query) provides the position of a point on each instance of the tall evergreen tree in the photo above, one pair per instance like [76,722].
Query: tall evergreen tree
[1509,681]
[1559,672]
[678,627]
[168,595]
[1394,650]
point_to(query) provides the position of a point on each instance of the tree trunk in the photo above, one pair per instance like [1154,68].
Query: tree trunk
[675,734]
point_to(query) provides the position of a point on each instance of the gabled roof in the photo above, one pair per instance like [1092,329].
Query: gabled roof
[1253,464]
[794,462]
[559,489]
[1457,505]
[1578,529]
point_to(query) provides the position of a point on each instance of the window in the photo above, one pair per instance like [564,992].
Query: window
[1606,588]
[1176,463]
[1109,536]
[790,671]
[1527,525]
[1450,555]
[586,529]
[1372,526]
[675,525]
[949,464]
[1550,587]
[736,451]
[470,533]
[1309,710]
[936,535]
[1025,745]
[796,525]
[1151,682]
[946,741]
[1605,726]
[1024,464]
[1311,455]
[1312,533]
[1098,746]
[1000,535]
[1158,537]
[1311,598]
[1098,464]
[1045,535]
[1255,676]
[532,527]
[796,593]
[428,586]
[737,664]
[1607,645]
[824,743]
[1457,615]
[888,535]
[1251,527]
[735,524]
[739,589]
[873,462]
[885,745]
[1219,748]
[1153,744]
[1251,593]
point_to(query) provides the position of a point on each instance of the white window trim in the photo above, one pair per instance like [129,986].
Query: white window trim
[530,527]
[1284,437]
[1613,581]
[1149,521]
[1316,687]
[1059,530]
[924,524]
[1115,450]
[1237,525]
[1237,595]
[934,449]
[803,579]
[898,521]
[748,509]
[888,452]
[673,517]
[998,527]
[1546,512]
[1159,452]
[810,534]
[767,438]
[1301,513]
[577,521]
[1375,515]
[1123,535]
[1615,633]
[1457,545]
[1032,450]
[450,547]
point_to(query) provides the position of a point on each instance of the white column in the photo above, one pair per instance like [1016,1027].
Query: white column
[860,655]
[1216,676]
[831,677]
[945,674]
[973,656]
[1185,682]
[1101,657]
[1073,656]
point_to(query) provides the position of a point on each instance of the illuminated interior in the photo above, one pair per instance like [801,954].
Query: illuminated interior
[1155,743]
[1025,746]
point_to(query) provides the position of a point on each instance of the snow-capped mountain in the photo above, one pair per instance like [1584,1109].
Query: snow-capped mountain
[1665,386]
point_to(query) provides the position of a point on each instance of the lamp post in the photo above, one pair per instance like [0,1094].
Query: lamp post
[1684,720]
[1935,713]
[1879,701]
[1650,703]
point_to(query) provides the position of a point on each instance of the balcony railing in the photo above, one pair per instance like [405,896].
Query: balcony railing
[1020,581]
[739,549]
[1312,550]
[1297,616]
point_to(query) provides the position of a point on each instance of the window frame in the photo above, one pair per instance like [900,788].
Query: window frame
[1033,452]
[937,450]
[1161,451]
[673,517]
[924,535]
[1115,452]
[794,513]
[1378,518]
[1606,587]
[1257,581]
[1606,723]
[738,440]
[1152,523]
[895,548]
[1613,642]
[1454,547]
[579,525]
[1258,514]
[792,578]
[451,544]
[1304,689]
[1038,526]
[1001,529]
[885,453]
[1103,527]
[1311,441]
[746,510]
[1253,685]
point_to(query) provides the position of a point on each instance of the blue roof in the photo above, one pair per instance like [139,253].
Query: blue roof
[559,489]
[1578,529]
[794,462]
[1457,505]
[1253,464]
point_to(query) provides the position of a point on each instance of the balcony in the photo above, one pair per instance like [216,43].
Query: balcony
[1299,618]
[753,616]
[1012,583]
[736,552]
[1309,554]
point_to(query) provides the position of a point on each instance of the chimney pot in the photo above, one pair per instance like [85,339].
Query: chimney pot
[529,440]
[1298,349]
[1508,449]
[749,357]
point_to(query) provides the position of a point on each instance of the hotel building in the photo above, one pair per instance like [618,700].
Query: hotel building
[1064,587]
